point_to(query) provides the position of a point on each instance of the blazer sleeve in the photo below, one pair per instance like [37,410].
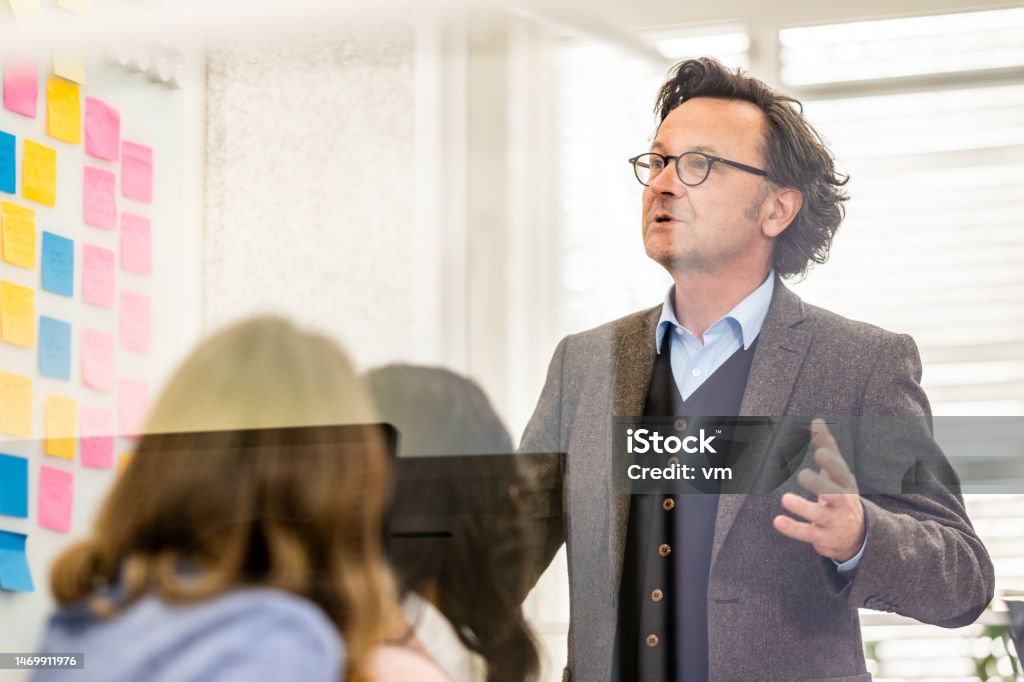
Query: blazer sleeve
[922,558]
[544,503]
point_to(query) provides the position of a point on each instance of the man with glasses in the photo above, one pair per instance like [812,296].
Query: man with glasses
[740,192]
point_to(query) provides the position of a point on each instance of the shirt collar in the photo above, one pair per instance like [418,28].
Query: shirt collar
[748,314]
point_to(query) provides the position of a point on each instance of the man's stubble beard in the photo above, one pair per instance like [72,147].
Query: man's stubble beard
[690,260]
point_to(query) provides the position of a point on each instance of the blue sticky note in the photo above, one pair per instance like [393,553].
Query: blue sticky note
[7,163]
[15,575]
[54,348]
[14,486]
[58,264]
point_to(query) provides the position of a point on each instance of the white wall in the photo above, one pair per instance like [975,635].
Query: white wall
[310,208]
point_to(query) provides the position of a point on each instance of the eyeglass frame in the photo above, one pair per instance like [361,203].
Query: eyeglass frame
[712,160]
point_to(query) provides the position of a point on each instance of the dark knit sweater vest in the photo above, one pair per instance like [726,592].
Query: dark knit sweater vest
[663,626]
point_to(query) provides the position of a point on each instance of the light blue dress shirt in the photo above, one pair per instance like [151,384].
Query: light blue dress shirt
[693,362]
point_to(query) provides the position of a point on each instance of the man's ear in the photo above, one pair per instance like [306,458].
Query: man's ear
[781,208]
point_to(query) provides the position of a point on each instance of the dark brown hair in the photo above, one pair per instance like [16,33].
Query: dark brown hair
[478,573]
[795,156]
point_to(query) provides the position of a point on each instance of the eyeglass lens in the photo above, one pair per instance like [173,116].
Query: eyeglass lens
[692,167]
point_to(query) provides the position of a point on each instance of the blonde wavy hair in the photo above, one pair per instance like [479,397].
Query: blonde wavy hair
[221,486]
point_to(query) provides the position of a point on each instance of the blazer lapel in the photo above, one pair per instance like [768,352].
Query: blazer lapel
[634,363]
[781,348]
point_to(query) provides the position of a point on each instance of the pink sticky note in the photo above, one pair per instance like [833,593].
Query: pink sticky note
[136,171]
[136,315]
[102,129]
[132,406]
[136,244]
[98,275]
[56,494]
[99,202]
[97,359]
[97,437]
[21,87]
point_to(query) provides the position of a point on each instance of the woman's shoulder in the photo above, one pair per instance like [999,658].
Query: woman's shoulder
[399,663]
[257,633]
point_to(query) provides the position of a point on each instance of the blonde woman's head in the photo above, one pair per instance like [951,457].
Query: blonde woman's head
[245,477]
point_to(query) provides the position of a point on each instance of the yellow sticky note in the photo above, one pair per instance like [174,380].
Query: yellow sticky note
[122,461]
[69,64]
[61,426]
[15,404]
[76,6]
[39,173]
[63,110]
[27,13]
[18,314]
[18,225]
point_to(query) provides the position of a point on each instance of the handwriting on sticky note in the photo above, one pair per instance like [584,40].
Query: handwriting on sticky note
[58,264]
[136,171]
[21,87]
[19,234]
[132,406]
[13,486]
[15,404]
[97,437]
[39,173]
[98,275]
[61,421]
[136,315]
[136,244]
[56,498]
[54,348]
[8,163]
[97,359]
[98,197]
[18,314]
[15,575]
[102,130]
[63,111]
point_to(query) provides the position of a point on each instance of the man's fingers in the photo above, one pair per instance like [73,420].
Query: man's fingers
[802,507]
[838,499]
[818,484]
[804,532]
[821,437]
[836,468]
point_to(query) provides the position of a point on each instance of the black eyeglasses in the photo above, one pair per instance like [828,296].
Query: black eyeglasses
[692,168]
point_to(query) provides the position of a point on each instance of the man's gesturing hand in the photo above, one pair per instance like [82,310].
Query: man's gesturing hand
[835,523]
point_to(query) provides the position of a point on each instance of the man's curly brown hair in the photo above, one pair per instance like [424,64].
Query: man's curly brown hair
[794,152]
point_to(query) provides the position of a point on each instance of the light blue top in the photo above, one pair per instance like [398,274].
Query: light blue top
[693,362]
[260,635]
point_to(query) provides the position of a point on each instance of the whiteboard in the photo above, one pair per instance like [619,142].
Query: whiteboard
[170,121]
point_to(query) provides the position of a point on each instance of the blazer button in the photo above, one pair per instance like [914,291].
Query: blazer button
[664,550]
[673,461]
[668,504]
[652,641]
[680,425]
[657,595]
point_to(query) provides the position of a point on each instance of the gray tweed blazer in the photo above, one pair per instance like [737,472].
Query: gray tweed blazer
[776,609]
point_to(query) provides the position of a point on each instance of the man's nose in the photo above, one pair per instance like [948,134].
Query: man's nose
[667,182]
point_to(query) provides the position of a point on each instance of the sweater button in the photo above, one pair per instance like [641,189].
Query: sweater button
[664,550]
[657,595]
[652,641]
[668,504]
